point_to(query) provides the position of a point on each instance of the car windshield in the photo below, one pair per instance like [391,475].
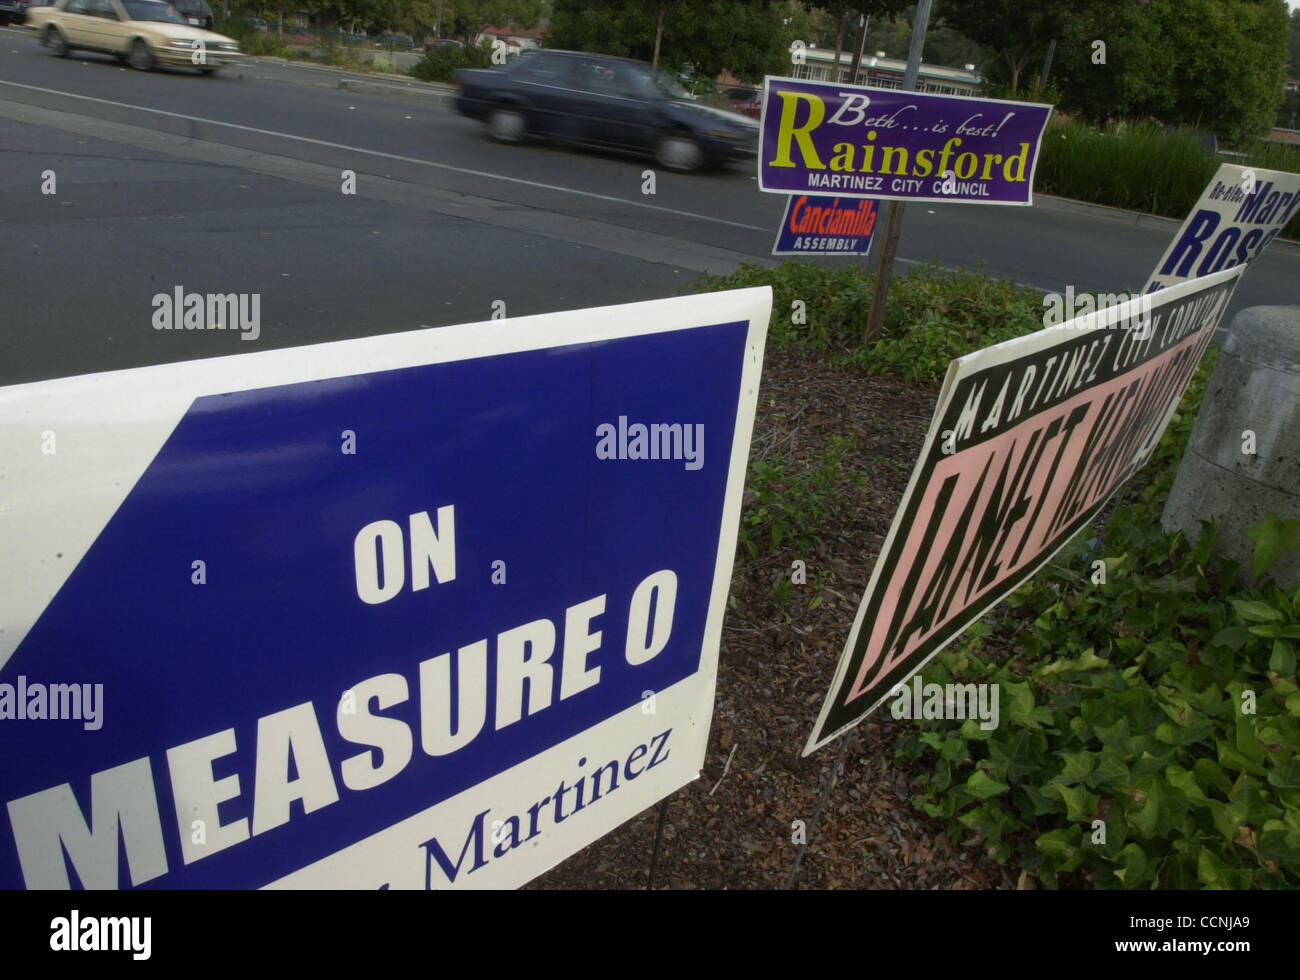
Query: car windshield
[669,86]
[152,10]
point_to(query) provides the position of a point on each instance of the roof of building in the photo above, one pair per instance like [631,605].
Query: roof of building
[895,65]
[533,33]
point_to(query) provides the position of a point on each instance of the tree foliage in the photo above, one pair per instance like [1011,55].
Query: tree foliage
[747,37]
[460,18]
[1016,34]
[1218,65]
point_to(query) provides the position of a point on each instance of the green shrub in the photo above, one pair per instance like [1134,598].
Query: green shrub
[790,505]
[441,64]
[933,316]
[1129,702]
[1143,167]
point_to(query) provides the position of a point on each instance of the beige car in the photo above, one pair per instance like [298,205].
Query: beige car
[143,33]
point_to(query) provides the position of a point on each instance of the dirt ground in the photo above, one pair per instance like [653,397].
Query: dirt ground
[772,677]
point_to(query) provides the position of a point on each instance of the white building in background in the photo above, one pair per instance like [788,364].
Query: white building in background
[885,72]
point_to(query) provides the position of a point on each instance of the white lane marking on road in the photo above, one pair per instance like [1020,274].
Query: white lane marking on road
[391,156]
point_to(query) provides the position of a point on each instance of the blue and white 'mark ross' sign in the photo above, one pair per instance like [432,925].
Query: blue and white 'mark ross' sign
[433,609]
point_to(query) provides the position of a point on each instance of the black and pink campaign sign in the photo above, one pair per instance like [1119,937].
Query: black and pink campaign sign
[1029,440]
[858,141]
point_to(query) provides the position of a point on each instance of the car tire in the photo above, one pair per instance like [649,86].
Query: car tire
[507,125]
[55,41]
[679,152]
[141,58]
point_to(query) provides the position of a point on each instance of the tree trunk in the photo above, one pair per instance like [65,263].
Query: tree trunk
[659,32]
[839,47]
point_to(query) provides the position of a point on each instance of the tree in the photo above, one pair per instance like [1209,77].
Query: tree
[748,37]
[1218,65]
[1015,32]
[844,13]
[467,18]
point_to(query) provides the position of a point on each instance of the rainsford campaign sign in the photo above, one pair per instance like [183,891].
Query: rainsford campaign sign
[427,610]
[857,141]
[1029,440]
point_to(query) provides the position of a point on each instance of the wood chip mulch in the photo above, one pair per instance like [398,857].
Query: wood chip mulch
[776,662]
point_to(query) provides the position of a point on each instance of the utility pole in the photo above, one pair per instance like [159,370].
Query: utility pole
[894,222]
[862,45]
[1047,65]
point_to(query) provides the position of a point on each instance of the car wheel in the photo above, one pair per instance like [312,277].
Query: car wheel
[55,42]
[678,151]
[141,57]
[507,125]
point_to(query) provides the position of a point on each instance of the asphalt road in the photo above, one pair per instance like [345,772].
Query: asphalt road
[234,184]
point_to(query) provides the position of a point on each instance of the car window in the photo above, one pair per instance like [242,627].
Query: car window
[669,86]
[541,70]
[610,78]
[77,7]
[102,8]
[155,10]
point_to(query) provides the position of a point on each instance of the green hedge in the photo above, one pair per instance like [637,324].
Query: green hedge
[1142,167]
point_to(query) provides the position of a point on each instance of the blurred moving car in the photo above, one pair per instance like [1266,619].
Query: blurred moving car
[13,11]
[605,101]
[392,41]
[143,33]
[747,101]
[257,24]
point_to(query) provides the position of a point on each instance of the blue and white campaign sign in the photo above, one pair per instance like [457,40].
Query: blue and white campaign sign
[1237,216]
[427,610]
[826,226]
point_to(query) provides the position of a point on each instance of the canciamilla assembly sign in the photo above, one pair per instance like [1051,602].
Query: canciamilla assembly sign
[1238,215]
[427,610]
[858,141]
[826,226]
[1029,440]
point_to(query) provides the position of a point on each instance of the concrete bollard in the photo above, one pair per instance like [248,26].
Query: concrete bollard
[1252,402]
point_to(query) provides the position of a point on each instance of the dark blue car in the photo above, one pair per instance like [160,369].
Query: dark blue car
[13,11]
[603,101]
